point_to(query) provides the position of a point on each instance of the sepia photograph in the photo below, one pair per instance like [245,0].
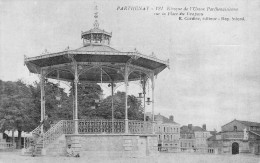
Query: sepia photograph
[123,81]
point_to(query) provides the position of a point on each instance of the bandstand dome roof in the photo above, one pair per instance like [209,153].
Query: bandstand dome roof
[96,60]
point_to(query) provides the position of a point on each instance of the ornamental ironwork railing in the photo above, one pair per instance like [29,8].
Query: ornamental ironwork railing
[37,130]
[68,126]
[97,126]
[53,133]
[140,127]
[101,126]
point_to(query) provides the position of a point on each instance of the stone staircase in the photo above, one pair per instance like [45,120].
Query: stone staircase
[38,150]
[44,140]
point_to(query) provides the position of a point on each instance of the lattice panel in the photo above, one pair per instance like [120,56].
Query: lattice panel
[101,126]
[37,130]
[53,133]
[68,127]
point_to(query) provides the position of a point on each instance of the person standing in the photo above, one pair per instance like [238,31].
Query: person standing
[33,144]
[46,123]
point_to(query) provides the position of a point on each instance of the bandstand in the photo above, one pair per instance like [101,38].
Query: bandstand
[97,62]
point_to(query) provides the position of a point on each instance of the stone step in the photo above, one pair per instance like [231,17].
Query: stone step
[28,153]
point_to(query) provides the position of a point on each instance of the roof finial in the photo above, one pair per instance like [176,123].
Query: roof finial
[96,25]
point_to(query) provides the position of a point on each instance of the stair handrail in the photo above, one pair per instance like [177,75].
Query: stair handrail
[52,134]
[37,130]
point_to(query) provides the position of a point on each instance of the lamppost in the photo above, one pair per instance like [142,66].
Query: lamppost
[112,85]
[143,84]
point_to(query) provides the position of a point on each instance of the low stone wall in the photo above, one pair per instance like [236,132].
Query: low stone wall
[57,148]
[113,145]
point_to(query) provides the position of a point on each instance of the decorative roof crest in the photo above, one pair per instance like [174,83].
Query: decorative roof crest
[96,24]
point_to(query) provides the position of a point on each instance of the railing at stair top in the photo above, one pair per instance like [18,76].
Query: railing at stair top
[56,130]
[62,127]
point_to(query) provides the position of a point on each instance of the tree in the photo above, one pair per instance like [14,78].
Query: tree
[20,106]
[15,103]
[135,110]
[88,99]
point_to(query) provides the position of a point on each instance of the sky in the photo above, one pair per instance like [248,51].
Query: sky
[214,74]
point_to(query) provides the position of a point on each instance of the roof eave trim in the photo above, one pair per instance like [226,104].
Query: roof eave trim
[96,52]
[45,56]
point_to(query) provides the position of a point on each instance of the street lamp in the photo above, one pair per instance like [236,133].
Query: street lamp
[112,85]
[140,95]
[148,101]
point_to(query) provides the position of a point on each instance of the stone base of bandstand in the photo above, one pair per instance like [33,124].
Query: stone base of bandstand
[106,145]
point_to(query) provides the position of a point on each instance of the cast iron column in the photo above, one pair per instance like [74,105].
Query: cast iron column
[144,92]
[76,98]
[152,79]
[112,102]
[126,94]
[42,99]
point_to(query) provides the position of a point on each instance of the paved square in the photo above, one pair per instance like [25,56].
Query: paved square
[15,157]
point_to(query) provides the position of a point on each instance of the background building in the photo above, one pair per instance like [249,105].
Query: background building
[201,137]
[237,137]
[167,130]
[194,136]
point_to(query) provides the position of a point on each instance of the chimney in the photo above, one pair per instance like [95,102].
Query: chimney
[204,127]
[171,118]
[190,126]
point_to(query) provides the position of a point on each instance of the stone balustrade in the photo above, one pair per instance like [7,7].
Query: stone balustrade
[204,150]
[6,145]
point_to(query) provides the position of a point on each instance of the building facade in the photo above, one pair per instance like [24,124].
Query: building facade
[194,137]
[237,137]
[201,138]
[167,131]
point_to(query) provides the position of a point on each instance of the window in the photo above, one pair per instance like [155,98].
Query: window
[164,129]
[171,137]
[164,137]
[159,129]
[235,128]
